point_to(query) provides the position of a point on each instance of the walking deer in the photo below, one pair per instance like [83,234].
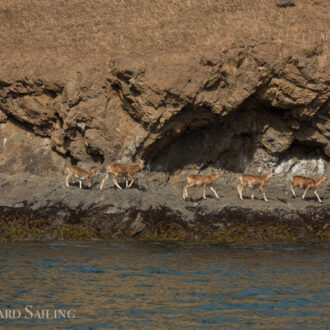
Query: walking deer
[118,168]
[308,183]
[253,181]
[77,172]
[198,180]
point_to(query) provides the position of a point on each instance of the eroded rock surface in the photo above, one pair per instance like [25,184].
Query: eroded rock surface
[256,104]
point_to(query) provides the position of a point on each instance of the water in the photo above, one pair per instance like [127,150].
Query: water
[165,285]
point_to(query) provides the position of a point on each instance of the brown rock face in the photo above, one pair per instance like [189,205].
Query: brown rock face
[22,152]
[213,94]
[188,86]
[276,141]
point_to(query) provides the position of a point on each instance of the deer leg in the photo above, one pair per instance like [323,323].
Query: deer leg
[130,177]
[115,181]
[185,193]
[262,190]
[215,193]
[130,185]
[318,197]
[185,190]
[103,181]
[303,196]
[80,186]
[292,189]
[240,188]
[67,179]
[239,191]
[204,190]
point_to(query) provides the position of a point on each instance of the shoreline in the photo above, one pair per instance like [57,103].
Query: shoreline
[47,210]
[158,225]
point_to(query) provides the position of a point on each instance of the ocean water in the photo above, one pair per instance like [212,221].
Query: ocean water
[91,285]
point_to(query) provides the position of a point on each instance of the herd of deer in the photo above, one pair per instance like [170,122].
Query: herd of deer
[246,180]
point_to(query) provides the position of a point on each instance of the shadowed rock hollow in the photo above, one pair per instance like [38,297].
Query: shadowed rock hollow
[188,86]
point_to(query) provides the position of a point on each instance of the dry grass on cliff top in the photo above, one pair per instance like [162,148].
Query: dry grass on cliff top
[86,29]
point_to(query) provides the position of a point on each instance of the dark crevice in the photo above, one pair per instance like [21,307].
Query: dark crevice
[134,91]
[3,84]
[50,93]
[214,85]
[190,118]
[115,86]
[59,119]
[71,105]
[14,95]
[128,104]
[304,150]
[73,161]
[97,158]
[228,142]
[28,126]
[125,76]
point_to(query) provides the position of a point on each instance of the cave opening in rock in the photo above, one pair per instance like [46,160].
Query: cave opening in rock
[254,138]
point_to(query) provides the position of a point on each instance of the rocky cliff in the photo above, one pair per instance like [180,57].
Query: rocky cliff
[190,87]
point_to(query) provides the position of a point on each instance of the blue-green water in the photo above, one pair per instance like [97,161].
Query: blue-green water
[90,285]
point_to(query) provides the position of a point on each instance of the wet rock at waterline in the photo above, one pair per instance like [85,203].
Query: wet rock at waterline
[43,208]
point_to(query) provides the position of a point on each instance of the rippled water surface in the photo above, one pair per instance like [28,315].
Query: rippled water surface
[165,285]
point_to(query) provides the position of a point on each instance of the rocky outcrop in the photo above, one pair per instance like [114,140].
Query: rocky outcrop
[43,208]
[285,3]
[216,115]
[249,106]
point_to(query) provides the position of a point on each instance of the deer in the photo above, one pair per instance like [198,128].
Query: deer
[198,180]
[308,183]
[253,181]
[117,168]
[81,174]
